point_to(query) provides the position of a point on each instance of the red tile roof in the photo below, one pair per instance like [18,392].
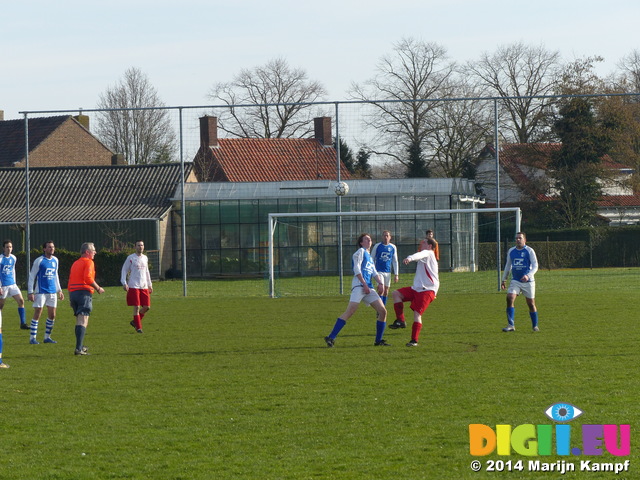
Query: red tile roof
[273,159]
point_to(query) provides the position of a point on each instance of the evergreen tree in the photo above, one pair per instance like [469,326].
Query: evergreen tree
[346,156]
[416,164]
[577,165]
[363,168]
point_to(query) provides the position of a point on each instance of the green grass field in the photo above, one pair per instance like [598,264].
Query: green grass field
[225,387]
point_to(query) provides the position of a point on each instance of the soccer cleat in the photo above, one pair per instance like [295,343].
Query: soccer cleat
[139,330]
[412,343]
[330,341]
[33,341]
[381,343]
[536,329]
[3,365]
[82,351]
[398,324]
[509,328]
[24,326]
[49,340]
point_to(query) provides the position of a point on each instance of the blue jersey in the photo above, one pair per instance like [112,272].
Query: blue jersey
[521,262]
[8,270]
[44,273]
[385,257]
[362,263]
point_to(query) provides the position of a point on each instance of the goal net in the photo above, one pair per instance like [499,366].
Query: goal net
[310,253]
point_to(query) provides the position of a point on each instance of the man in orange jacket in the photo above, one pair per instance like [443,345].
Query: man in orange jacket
[82,284]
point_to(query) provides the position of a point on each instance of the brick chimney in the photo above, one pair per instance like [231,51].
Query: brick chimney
[208,131]
[322,130]
[83,120]
[1,115]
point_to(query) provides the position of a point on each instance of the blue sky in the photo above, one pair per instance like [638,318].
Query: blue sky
[63,55]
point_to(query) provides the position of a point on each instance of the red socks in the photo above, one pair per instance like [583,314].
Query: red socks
[137,321]
[415,331]
[399,309]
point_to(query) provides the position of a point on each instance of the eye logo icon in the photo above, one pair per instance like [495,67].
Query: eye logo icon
[562,412]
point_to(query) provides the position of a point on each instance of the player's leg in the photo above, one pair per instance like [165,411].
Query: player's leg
[38,304]
[512,293]
[144,303]
[342,319]
[2,364]
[419,304]
[381,322]
[533,313]
[21,311]
[51,319]
[415,329]
[399,296]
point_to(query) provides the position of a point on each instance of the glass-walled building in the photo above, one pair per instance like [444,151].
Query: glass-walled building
[227,224]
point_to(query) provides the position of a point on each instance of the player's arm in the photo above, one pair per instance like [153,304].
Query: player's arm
[123,275]
[58,287]
[394,263]
[507,270]
[32,278]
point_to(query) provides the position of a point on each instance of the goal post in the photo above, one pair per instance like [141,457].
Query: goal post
[275,218]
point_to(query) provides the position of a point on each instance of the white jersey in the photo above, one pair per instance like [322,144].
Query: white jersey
[426,277]
[137,268]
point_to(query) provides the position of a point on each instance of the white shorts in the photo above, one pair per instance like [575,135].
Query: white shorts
[386,278]
[48,299]
[10,291]
[528,289]
[358,295]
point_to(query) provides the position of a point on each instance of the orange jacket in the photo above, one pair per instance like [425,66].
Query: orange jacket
[82,275]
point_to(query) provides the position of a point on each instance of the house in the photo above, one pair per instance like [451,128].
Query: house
[53,142]
[109,205]
[523,178]
[266,159]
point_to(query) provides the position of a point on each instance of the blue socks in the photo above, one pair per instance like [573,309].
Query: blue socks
[80,331]
[534,319]
[384,300]
[340,323]
[380,326]
[511,312]
[23,316]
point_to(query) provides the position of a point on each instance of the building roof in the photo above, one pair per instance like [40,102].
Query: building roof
[12,136]
[274,159]
[103,193]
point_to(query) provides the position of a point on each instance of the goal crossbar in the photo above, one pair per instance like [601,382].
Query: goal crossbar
[273,220]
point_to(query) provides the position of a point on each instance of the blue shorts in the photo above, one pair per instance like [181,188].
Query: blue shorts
[81,302]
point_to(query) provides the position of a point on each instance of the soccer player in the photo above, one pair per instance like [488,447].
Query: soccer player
[523,264]
[44,289]
[423,291]
[423,245]
[8,284]
[82,284]
[385,257]
[138,286]
[362,290]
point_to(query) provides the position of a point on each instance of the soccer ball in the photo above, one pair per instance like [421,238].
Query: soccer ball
[341,188]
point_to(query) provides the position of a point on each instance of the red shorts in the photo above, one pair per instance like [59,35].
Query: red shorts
[419,300]
[138,297]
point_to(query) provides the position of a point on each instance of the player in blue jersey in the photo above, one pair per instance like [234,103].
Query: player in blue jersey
[523,264]
[8,284]
[44,289]
[385,257]
[364,271]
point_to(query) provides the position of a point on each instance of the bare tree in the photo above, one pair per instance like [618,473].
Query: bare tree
[517,73]
[461,129]
[630,71]
[132,121]
[414,72]
[269,101]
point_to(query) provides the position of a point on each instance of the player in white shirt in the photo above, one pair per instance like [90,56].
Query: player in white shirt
[136,281]
[423,291]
